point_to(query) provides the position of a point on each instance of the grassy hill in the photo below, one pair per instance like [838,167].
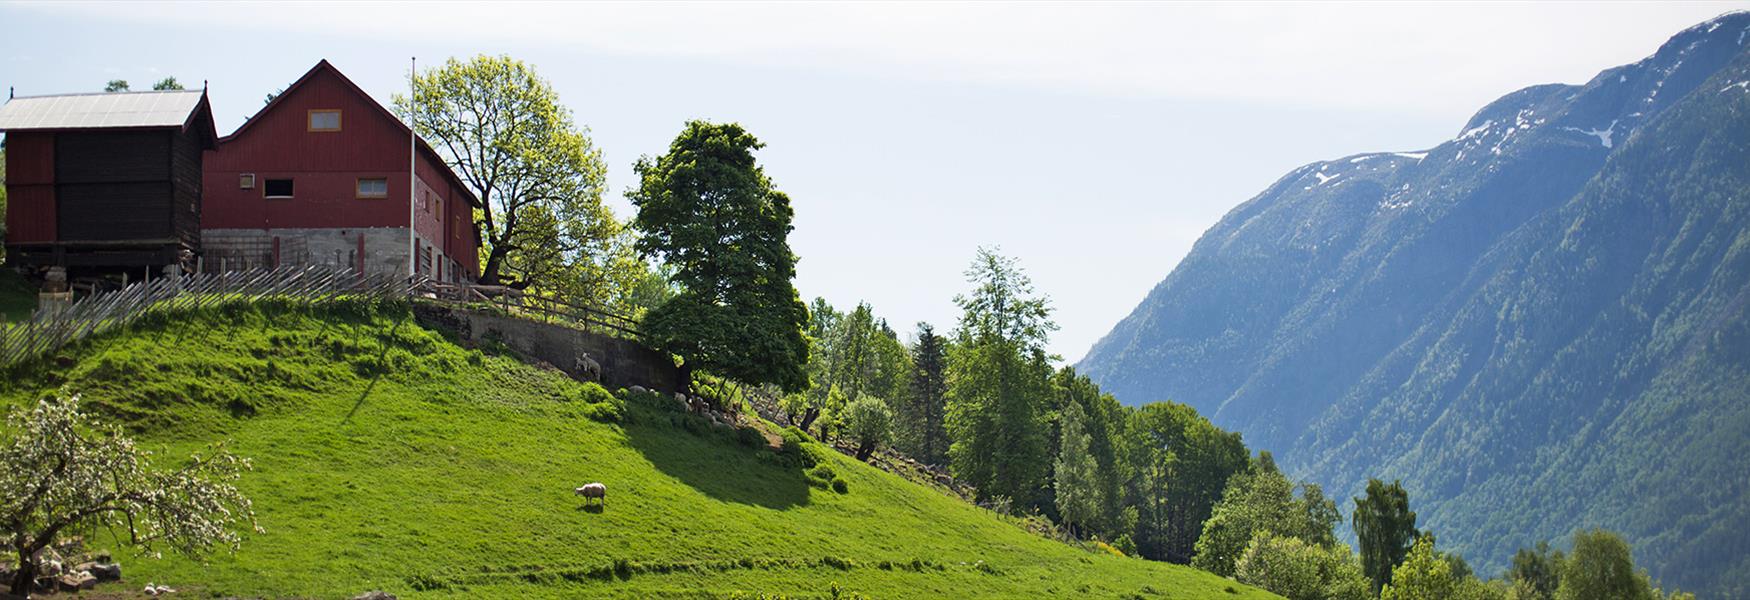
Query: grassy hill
[388,457]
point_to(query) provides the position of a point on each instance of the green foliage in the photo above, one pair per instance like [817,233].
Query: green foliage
[1102,421]
[999,384]
[503,130]
[1538,569]
[1302,571]
[869,423]
[116,85]
[793,448]
[1601,568]
[167,83]
[1385,527]
[1076,481]
[441,471]
[1261,500]
[1421,576]
[710,213]
[1180,466]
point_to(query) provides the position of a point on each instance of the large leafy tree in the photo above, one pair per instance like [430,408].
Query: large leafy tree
[167,83]
[116,85]
[1602,568]
[1180,464]
[60,473]
[1385,527]
[708,211]
[921,431]
[503,130]
[999,383]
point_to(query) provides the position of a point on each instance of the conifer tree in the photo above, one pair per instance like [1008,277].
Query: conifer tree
[924,436]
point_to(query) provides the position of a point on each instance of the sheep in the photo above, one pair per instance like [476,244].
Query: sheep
[594,490]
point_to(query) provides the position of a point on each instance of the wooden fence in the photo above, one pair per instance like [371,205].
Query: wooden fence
[53,326]
[533,306]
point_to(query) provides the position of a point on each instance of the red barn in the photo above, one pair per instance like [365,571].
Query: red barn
[320,176]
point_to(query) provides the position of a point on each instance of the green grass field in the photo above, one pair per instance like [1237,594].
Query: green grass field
[17,296]
[387,457]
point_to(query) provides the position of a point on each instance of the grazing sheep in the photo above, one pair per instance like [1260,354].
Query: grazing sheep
[594,490]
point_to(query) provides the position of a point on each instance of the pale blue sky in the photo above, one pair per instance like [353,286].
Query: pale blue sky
[1094,142]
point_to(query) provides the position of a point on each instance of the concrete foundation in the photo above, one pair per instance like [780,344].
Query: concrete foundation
[372,250]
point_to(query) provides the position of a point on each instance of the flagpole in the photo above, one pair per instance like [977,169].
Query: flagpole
[412,170]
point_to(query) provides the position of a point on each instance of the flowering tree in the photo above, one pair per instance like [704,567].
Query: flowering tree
[59,472]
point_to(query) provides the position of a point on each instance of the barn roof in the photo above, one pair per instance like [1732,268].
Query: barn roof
[103,110]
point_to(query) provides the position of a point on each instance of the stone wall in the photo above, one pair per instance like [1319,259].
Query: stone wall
[615,362]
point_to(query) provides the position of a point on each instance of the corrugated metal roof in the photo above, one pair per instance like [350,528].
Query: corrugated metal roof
[100,110]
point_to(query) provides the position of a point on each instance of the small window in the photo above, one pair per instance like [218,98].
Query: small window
[246,181]
[373,187]
[277,188]
[324,120]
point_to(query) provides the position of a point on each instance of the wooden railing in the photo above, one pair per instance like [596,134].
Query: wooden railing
[532,306]
[55,325]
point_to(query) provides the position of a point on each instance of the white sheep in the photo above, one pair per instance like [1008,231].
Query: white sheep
[594,490]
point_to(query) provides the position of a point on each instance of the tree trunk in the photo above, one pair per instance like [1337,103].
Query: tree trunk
[494,262]
[24,580]
[864,450]
[808,418]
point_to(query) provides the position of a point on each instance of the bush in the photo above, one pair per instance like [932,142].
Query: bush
[593,393]
[794,450]
[605,412]
[750,437]
[841,486]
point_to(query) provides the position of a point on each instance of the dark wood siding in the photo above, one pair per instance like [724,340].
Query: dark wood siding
[114,212]
[185,176]
[114,186]
[112,156]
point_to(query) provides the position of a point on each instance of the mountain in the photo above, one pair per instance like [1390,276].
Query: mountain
[1539,325]
[388,457]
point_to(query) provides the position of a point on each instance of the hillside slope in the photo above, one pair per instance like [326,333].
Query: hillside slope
[387,457]
[1540,325]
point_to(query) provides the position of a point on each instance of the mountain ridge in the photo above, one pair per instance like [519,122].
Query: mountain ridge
[1390,313]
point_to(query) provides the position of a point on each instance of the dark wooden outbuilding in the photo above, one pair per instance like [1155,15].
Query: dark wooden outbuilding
[105,181]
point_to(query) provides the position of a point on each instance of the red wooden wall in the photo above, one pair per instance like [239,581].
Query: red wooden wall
[30,188]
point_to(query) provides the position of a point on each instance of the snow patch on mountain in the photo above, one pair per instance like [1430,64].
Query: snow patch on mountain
[1603,135]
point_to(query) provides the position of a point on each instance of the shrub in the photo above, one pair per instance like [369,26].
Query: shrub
[794,449]
[605,412]
[841,486]
[593,393]
[750,437]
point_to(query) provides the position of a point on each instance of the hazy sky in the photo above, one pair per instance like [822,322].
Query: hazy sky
[1094,142]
